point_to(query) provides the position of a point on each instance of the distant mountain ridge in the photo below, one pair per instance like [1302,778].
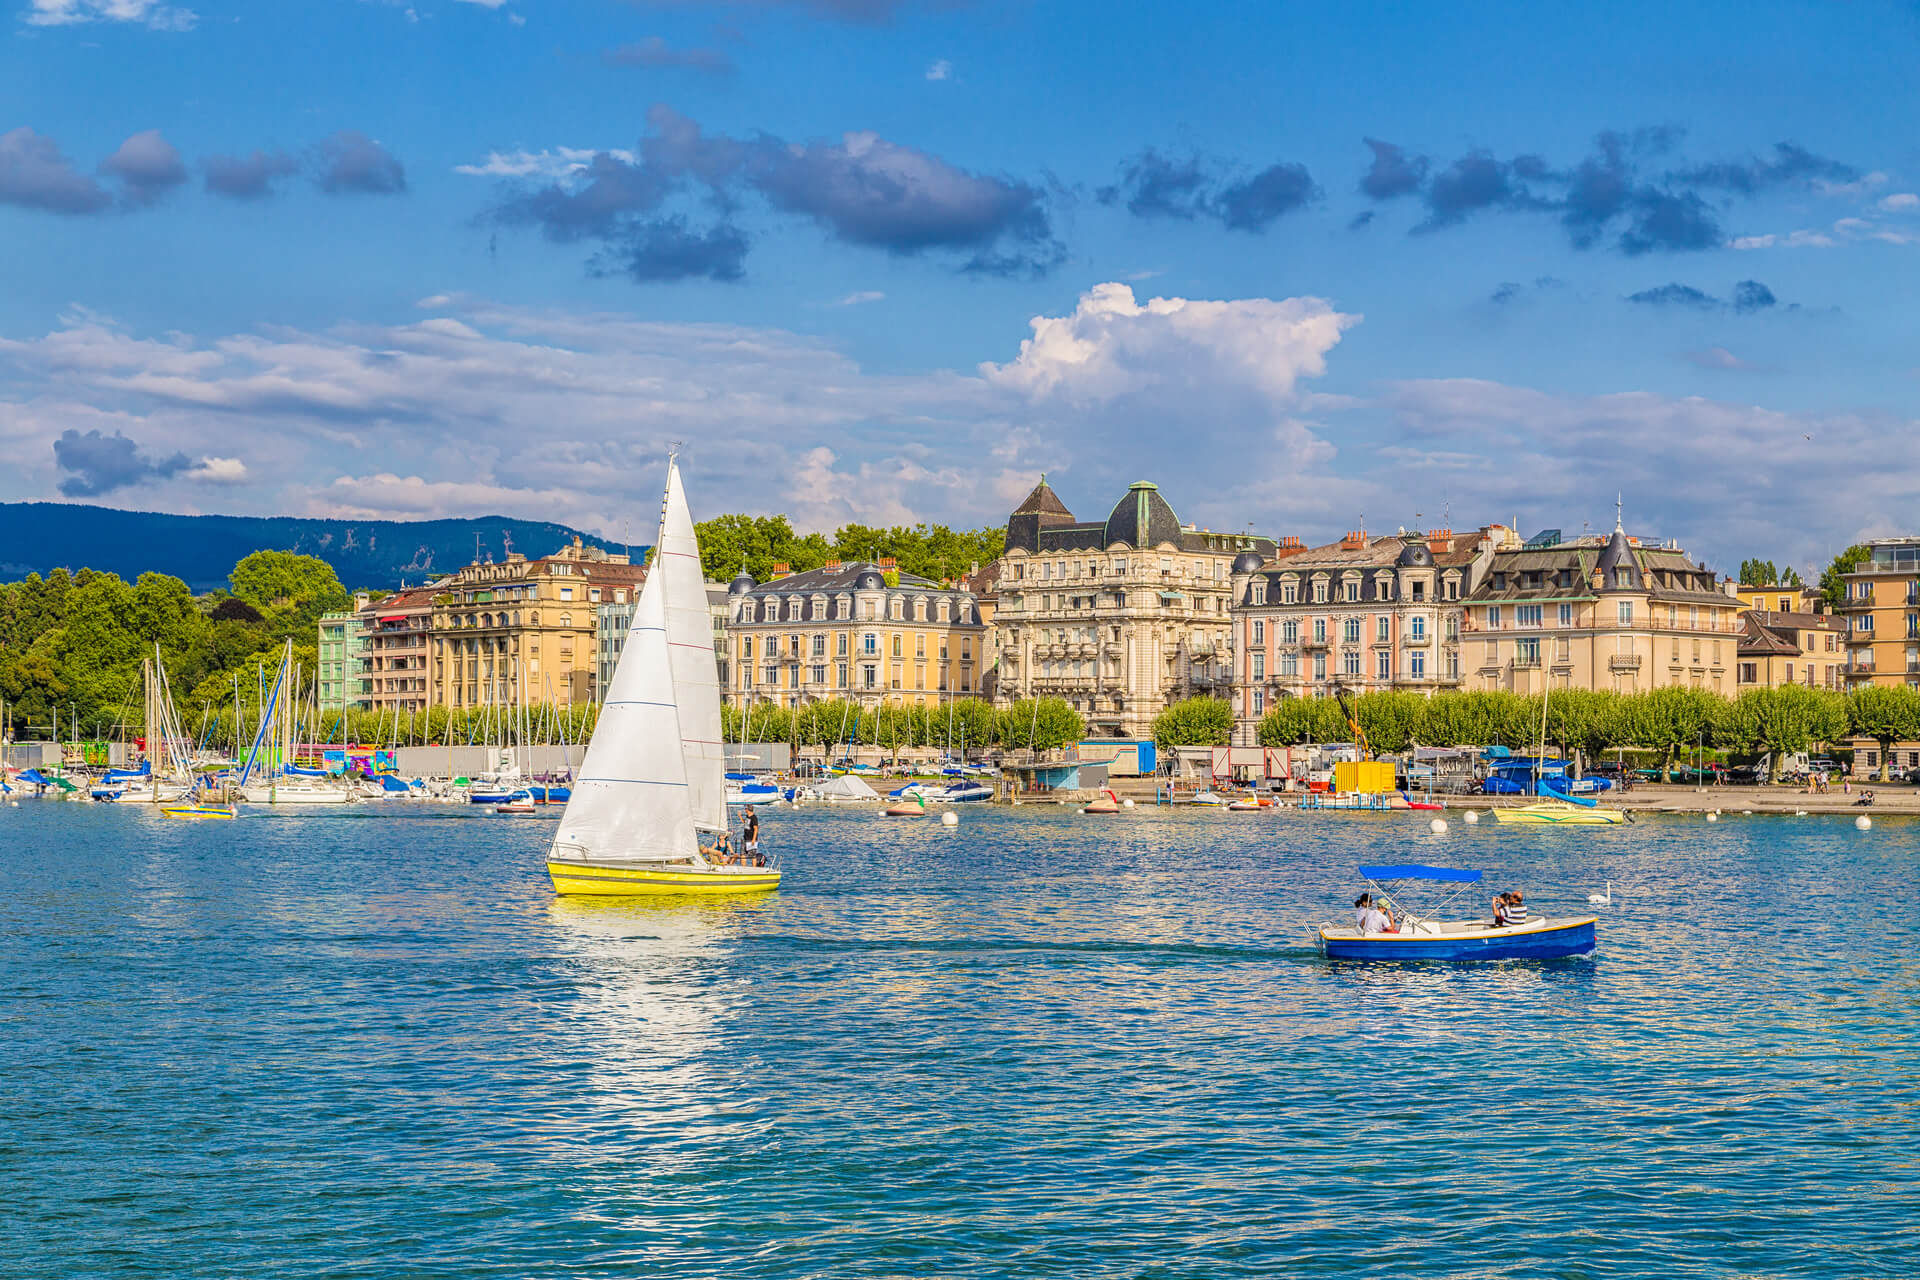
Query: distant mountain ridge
[36,537]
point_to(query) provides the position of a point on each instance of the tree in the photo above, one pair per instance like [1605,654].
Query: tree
[1391,720]
[1194,722]
[1291,721]
[1042,724]
[1831,585]
[1786,719]
[1885,713]
[291,590]
[1758,573]
[1672,718]
[1789,576]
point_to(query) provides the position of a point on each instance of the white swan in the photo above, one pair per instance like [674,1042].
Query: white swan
[1601,900]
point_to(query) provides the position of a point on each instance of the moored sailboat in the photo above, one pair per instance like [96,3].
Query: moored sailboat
[651,795]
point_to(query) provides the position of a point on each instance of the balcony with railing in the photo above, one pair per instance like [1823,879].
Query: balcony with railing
[1414,638]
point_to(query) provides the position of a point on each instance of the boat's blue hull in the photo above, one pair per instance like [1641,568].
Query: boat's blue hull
[1575,939]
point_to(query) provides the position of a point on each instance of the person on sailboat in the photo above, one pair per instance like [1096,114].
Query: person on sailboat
[750,837]
[722,850]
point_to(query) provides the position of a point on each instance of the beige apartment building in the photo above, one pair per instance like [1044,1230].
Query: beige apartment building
[1775,598]
[856,629]
[521,632]
[1382,613]
[1598,613]
[393,657]
[1882,614]
[1779,648]
[1121,616]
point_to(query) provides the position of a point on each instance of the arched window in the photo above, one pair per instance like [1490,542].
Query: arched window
[566,620]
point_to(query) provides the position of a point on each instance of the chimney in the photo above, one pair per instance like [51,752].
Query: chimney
[831,564]
[888,562]
[1440,541]
[781,569]
[1354,541]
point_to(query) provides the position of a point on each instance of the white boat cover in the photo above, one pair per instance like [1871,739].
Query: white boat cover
[846,787]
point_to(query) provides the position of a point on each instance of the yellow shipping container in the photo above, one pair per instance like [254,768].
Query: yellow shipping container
[1367,777]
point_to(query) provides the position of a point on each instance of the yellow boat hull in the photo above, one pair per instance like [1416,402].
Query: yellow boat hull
[1560,815]
[581,879]
[214,812]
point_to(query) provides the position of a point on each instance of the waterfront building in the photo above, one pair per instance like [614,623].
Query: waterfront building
[343,679]
[395,660]
[614,618]
[1882,613]
[1779,648]
[854,629]
[1122,616]
[1366,614]
[1606,612]
[521,632]
[1775,598]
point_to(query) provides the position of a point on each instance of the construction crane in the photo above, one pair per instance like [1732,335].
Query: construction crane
[1353,721]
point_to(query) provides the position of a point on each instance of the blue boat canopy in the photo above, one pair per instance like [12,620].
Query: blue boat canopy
[1448,874]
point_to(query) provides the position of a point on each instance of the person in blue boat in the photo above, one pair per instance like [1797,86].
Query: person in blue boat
[1509,908]
[1369,918]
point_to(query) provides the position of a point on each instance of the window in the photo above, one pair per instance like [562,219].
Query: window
[1417,664]
[840,645]
[870,643]
[1319,666]
[1786,604]
[1290,632]
[1450,590]
[1863,623]
[1417,627]
[1383,665]
[1352,591]
[1526,615]
[1526,652]
[1259,590]
[1120,565]
[566,593]
[1259,666]
[1289,664]
[1626,613]
[1259,701]
[1350,662]
[869,676]
[1319,630]
[841,675]
[819,646]
[819,673]
[1350,630]
[1383,629]
[1789,673]
[1259,631]
[1566,615]
[1493,617]
[1319,590]
[1749,672]
[1289,592]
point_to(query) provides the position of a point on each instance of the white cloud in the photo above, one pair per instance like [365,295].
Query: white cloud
[150,13]
[218,471]
[552,165]
[1792,240]
[863,296]
[941,70]
[1858,187]
[1901,202]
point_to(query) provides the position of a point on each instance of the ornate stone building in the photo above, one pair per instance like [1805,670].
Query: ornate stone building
[860,630]
[1120,616]
[521,632]
[1364,613]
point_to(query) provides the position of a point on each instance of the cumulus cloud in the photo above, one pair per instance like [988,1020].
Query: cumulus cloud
[147,166]
[248,177]
[655,54]
[34,175]
[148,13]
[1152,185]
[941,70]
[1900,202]
[861,189]
[348,162]
[1393,173]
[98,464]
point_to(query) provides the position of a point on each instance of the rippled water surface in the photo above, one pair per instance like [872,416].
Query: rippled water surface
[373,1043]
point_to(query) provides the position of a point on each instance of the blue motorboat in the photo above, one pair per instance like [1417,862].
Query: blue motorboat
[1421,934]
[1525,776]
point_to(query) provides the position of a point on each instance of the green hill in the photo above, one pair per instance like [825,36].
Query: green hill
[201,550]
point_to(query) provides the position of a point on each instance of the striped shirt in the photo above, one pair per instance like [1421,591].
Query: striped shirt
[1513,913]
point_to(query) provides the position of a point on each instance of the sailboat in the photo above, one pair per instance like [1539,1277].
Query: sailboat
[651,791]
[1563,810]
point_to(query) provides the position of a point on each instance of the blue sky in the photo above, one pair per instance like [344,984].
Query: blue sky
[1415,263]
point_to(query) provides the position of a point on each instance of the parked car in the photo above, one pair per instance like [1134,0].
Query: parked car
[1743,775]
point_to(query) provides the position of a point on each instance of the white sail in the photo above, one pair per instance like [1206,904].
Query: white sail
[696,675]
[631,800]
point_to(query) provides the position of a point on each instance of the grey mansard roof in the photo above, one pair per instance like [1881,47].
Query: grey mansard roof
[1142,520]
[771,601]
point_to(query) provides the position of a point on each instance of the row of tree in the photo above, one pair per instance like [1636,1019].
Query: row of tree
[965,724]
[1667,721]
[71,644]
[757,543]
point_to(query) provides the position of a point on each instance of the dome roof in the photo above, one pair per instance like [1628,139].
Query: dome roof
[1247,562]
[1617,554]
[1414,555]
[1142,519]
[869,580]
[741,584]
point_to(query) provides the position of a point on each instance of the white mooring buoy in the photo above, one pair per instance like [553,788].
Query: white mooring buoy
[1713,817]
[949,819]
[1438,826]
[1126,804]
[1472,816]
[1863,822]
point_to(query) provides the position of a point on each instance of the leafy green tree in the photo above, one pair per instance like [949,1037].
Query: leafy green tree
[1042,724]
[1391,720]
[1885,713]
[1672,718]
[1789,576]
[1292,721]
[1758,573]
[282,583]
[1831,584]
[1194,722]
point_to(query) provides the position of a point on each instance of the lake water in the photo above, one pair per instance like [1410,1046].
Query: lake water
[372,1043]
